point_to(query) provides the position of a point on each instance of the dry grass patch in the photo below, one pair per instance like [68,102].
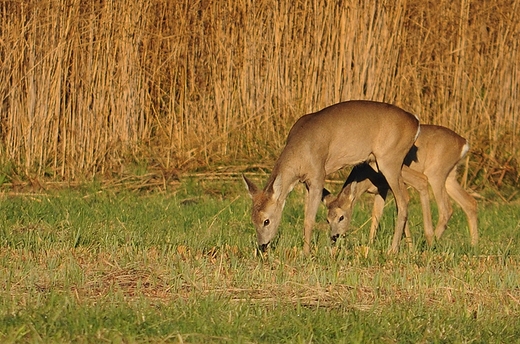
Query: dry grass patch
[476,282]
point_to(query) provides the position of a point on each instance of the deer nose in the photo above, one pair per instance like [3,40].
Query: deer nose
[334,237]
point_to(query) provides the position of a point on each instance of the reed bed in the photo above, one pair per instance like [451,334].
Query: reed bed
[93,87]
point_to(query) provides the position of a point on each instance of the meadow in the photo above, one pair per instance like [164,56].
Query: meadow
[124,127]
[103,263]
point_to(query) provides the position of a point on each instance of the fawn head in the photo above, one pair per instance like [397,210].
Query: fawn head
[339,210]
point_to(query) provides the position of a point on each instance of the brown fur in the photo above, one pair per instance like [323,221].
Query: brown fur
[323,142]
[432,160]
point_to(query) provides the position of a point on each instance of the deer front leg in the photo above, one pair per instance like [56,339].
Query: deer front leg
[407,234]
[377,212]
[312,202]
[443,204]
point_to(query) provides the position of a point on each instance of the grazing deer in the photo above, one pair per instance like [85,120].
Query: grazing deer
[323,142]
[433,159]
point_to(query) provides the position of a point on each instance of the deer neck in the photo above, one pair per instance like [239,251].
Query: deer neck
[282,181]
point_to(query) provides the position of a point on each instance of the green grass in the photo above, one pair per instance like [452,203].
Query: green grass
[104,265]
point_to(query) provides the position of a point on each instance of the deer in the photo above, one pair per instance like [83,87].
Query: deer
[323,142]
[433,160]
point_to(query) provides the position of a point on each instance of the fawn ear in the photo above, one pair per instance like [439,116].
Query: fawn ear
[327,197]
[251,187]
[353,190]
[349,191]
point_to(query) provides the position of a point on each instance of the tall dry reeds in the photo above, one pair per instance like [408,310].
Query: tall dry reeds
[90,86]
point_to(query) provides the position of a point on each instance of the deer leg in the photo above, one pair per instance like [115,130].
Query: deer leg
[419,182]
[466,202]
[407,233]
[393,176]
[312,202]
[443,204]
[377,212]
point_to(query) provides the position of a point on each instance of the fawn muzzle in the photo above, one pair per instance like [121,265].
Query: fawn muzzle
[263,247]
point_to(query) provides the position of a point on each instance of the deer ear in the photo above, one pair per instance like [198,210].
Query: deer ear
[277,187]
[349,191]
[251,187]
[327,197]
[353,190]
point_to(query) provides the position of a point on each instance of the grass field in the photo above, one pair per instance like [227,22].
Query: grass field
[98,264]
[104,90]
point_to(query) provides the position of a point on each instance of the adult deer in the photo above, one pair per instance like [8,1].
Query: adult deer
[323,142]
[433,159]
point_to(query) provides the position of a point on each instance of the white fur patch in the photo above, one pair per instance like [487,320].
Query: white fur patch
[418,130]
[465,149]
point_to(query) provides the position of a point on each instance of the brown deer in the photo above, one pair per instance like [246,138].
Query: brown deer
[320,143]
[433,159]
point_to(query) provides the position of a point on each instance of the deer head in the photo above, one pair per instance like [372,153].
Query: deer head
[339,213]
[267,210]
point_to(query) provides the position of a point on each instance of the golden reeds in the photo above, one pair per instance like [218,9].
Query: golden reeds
[88,86]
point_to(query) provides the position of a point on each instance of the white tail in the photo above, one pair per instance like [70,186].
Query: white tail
[320,143]
[433,159]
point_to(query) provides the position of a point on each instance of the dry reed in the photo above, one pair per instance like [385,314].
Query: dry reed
[90,87]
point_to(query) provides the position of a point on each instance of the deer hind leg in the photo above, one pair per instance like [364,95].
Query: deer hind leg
[419,182]
[377,212]
[312,202]
[392,173]
[466,202]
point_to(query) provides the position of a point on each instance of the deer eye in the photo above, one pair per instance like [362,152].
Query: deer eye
[266,222]
[341,218]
